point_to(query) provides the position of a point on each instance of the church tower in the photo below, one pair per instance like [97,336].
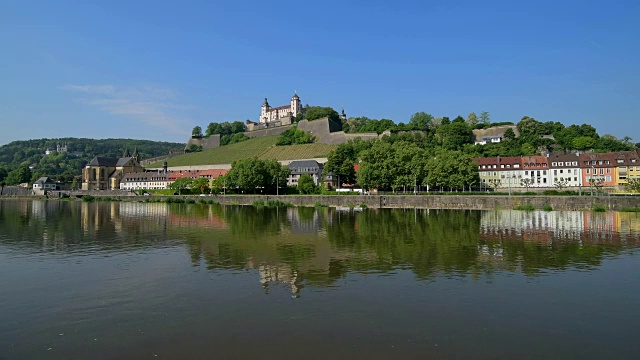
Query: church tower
[296,106]
[264,115]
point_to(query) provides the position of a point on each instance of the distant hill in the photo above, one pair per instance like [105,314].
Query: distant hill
[79,152]
[262,148]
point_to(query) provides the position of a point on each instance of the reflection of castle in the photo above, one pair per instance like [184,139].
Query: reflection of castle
[281,273]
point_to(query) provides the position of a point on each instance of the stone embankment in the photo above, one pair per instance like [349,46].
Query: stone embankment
[458,202]
[467,202]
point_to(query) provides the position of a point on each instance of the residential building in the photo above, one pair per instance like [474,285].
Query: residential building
[536,168]
[598,166]
[144,180]
[493,134]
[44,183]
[301,167]
[565,169]
[627,166]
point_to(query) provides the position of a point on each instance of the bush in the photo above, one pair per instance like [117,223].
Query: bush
[88,198]
[599,208]
[635,209]
[363,206]
[525,207]
[547,208]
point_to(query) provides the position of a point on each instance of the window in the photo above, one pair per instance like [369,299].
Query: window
[560,163]
[561,171]
[609,171]
[544,180]
[554,164]
[575,178]
[601,171]
[619,161]
[526,172]
[502,166]
[517,166]
[555,172]
[544,173]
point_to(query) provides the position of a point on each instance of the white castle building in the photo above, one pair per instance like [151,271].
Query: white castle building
[284,114]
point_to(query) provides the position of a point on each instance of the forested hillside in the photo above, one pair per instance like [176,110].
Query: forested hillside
[28,159]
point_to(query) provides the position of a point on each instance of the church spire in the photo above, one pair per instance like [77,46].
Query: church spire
[126,153]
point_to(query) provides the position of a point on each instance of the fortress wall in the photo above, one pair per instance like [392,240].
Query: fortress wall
[211,142]
[268,132]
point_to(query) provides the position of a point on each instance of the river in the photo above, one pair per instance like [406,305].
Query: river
[125,280]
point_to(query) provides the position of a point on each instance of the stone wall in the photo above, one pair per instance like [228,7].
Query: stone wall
[15,191]
[268,132]
[321,130]
[210,142]
[470,202]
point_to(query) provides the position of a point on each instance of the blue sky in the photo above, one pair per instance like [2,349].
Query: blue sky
[154,69]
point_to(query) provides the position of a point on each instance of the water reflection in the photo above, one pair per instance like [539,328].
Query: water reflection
[300,247]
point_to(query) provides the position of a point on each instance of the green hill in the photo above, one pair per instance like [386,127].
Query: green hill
[79,152]
[262,148]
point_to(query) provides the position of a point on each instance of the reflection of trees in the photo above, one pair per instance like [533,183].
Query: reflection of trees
[305,246]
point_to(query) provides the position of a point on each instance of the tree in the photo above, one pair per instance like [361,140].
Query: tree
[195,148]
[252,173]
[3,173]
[583,143]
[294,136]
[306,185]
[451,169]
[181,184]
[560,183]
[633,185]
[74,184]
[202,184]
[319,112]
[421,121]
[596,182]
[453,136]
[485,118]
[196,132]
[509,134]
[376,167]
[341,162]
[472,119]
[526,183]
[19,176]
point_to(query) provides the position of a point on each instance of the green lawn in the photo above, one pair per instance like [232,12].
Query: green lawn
[262,148]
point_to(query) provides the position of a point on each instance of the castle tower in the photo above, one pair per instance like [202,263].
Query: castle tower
[343,116]
[296,106]
[265,111]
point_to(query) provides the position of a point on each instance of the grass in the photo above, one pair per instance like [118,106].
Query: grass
[263,148]
[634,209]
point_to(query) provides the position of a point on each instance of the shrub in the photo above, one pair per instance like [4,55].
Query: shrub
[635,209]
[258,203]
[525,207]
[363,206]
[599,208]
[547,208]
[88,198]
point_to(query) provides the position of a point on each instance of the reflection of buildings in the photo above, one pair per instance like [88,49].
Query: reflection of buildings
[545,227]
[304,220]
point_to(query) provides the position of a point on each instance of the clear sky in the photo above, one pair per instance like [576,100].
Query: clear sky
[155,69]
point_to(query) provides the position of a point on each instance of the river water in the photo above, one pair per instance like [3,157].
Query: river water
[179,281]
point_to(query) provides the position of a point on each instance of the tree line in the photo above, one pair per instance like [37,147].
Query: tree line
[26,160]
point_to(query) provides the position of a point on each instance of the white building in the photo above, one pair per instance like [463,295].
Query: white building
[565,169]
[300,167]
[144,180]
[284,114]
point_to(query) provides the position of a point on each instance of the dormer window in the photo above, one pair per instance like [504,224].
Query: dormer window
[560,163]
[554,164]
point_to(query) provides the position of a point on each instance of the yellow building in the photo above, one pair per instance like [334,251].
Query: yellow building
[103,173]
[627,166]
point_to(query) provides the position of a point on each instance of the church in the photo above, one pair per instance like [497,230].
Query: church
[282,114]
[103,173]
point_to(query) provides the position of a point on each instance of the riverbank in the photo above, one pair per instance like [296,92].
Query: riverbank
[458,202]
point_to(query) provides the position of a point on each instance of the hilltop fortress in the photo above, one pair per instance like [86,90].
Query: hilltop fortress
[276,120]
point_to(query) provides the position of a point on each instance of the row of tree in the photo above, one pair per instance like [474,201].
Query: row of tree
[27,160]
